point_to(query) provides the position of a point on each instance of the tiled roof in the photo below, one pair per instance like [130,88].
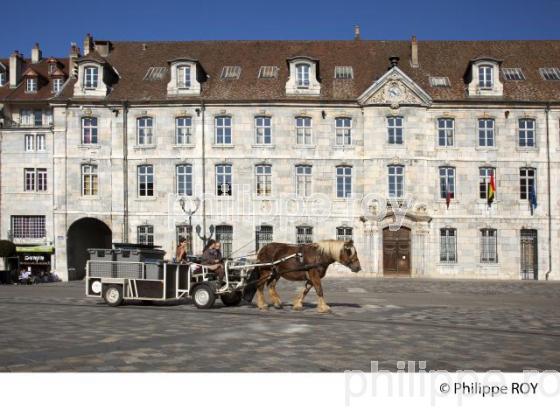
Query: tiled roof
[45,88]
[369,61]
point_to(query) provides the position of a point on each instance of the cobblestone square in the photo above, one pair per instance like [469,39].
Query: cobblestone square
[451,325]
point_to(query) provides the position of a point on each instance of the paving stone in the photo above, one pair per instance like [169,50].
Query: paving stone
[452,325]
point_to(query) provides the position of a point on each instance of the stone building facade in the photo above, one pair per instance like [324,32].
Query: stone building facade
[391,144]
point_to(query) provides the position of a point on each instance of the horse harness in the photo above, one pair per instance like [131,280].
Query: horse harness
[275,275]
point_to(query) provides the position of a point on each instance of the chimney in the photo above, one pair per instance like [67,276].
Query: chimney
[414,52]
[36,54]
[74,55]
[103,48]
[394,60]
[15,69]
[88,44]
[357,35]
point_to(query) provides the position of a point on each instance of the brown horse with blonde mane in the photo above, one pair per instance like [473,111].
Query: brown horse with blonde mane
[309,266]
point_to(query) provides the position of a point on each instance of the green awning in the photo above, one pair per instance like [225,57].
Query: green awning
[35,249]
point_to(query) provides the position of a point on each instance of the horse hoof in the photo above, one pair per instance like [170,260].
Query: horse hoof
[263,307]
[297,308]
[324,310]
[278,306]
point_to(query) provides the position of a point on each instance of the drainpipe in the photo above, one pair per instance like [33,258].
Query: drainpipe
[125,171]
[203,110]
[547,110]
[1,163]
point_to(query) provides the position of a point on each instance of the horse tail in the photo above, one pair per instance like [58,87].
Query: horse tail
[251,287]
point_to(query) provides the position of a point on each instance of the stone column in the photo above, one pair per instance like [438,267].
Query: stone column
[371,233]
[420,248]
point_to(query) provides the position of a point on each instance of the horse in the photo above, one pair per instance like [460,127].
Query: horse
[310,265]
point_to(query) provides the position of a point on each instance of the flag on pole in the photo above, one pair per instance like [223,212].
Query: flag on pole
[491,190]
[447,195]
[532,198]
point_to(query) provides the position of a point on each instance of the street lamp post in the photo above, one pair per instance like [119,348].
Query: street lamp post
[190,211]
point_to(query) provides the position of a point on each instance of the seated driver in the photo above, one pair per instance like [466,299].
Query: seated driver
[212,258]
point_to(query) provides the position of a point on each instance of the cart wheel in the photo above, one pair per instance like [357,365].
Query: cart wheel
[113,295]
[203,297]
[231,299]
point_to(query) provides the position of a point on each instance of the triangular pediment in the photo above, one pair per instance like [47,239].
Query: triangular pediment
[30,73]
[395,88]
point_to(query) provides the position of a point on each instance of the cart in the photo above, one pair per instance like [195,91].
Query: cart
[118,275]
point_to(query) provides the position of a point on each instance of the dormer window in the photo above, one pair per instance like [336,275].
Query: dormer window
[57,85]
[513,74]
[303,79]
[268,71]
[343,72]
[94,77]
[302,72]
[550,73]
[31,85]
[485,77]
[2,77]
[231,72]
[184,76]
[91,76]
[52,68]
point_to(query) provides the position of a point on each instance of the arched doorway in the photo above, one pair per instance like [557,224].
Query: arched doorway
[83,234]
[396,251]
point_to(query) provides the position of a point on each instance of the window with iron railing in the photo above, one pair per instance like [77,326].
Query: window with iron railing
[304,234]
[488,246]
[344,233]
[263,236]
[448,245]
[28,226]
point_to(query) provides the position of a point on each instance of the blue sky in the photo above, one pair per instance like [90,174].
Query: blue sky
[54,24]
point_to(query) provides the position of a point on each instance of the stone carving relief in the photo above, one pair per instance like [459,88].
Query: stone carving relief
[395,93]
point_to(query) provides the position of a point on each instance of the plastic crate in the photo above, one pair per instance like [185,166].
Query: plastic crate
[102,269]
[139,255]
[101,254]
[154,271]
[127,270]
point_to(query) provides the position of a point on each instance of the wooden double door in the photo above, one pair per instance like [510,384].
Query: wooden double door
[396,251]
